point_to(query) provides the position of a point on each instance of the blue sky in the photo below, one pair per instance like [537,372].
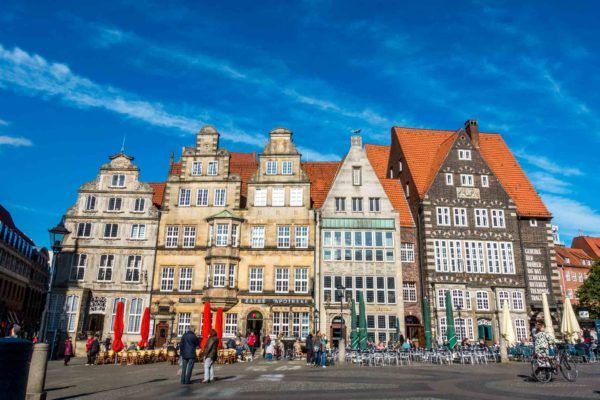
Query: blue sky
[75,79]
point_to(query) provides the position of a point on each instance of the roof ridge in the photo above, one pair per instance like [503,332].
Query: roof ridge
[439,130]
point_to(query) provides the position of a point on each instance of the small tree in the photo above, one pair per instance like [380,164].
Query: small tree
[589,292]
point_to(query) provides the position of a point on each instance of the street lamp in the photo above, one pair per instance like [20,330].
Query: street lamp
[316,318]
[57,234]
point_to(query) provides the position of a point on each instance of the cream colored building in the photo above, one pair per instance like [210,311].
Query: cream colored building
[107,257]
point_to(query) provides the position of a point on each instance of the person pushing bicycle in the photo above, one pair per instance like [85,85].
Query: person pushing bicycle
[543,340]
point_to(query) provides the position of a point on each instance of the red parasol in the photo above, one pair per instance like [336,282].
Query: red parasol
[206,324]
[145,328]
[117,344]
[219,327]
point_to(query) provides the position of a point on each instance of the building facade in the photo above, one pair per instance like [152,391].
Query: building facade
[574,265]
[108,256]
[484,233]
[24,278]
[589,244]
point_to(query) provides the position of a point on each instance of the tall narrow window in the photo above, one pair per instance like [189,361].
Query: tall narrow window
[116,301]
[135,315]
[282,280]
[374,204]
[185,279]
[301,280]
[271,167]
[340,204]
[90,203]
[460,216]
[498,219]
[202,199]
[219,197]
[184,197]
[84,229]
[133,268]
[278,199]
[106,267]
[356,176]
[449,179]
[296,197]
[222,234]
[260,197]
[407,252]
[78,267]
[443,216]
[485,182]
[138,231]
[286,168]
[71,307]
[466,180]
[111,231]
[231,328]
[171,236]
[256,280]
[301,237]
[219,275]
[258,237]
[189,236]
[234,235]
[409,292]
[166,279]
[283,236]
[481,218]
[231,276]
[183,323]
[139,205]
[213,168]
[483,301]
[197,168]
[357,204]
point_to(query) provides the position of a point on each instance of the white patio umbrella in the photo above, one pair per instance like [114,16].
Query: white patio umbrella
[506,326]
[547,317]
[569,326]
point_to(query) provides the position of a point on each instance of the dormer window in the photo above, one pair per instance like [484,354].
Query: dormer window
[118,180]
[197,168]
[356,176]
[271,167]
[485,182]
[567,260]
[449,179]
[286,168]
[466,180]
[213,167]
[464,154]
[533,222]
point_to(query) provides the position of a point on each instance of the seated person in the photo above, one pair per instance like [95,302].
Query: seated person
[132,347]
[270,351]
[406,345]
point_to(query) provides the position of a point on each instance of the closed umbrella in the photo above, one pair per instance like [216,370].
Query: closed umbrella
[569,326]
[362,323]
[117,344]
[145,328]
[506,326]
[397,329]
[219,327]
[353,331]
[206,324]
[450,331]
[547,317]
[427,322]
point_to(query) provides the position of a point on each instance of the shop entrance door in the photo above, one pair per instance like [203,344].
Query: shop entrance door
[254,323]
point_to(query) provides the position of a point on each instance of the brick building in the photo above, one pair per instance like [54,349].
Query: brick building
[573,267]
[24,274]
[589,244]
[484,232]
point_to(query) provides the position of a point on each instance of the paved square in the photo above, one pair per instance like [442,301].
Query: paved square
[294,380]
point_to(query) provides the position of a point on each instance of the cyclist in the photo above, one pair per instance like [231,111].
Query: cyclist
[543,341]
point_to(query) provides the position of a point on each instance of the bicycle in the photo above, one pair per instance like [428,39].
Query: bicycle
[545,367]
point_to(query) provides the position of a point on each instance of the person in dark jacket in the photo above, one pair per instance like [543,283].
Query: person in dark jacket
[93,351]
[187,350]
[210,356]
[309,349]
[68,350]
[107,343]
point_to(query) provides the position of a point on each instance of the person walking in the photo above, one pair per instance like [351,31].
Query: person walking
[210,356]
[187,350]
[252,344]
[266,342]
[68,350]
[93,350]
[309,349]
[318,349]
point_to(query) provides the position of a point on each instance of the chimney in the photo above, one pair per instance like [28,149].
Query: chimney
[473,132]
[356,141]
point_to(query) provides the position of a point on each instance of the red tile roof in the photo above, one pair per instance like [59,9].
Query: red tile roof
[378,157]
[574,255]
[243,157]
[589,244]
[321,175]
[426,149]
[244,165]
[175,168]
[159,192]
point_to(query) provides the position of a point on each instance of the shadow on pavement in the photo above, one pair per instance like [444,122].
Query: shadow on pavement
[59,388]
[75,396]
[527,378]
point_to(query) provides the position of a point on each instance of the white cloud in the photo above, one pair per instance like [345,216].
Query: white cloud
[573,217]
[3,122]
[314,155]
[548,165]
[550,184]
[15,141]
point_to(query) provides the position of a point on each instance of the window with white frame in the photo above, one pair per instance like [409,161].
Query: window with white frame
[485,181]
[517,301]
[449,179]
[407,252]
[105,268]
[466,180]
[481,218]
[135,315]
[231,327]
[202,198]
[222,235]
[301,280]
[464,154]
[282,280]
[568,276]
[286,168]
[574,276]
[118,180]
[220,197]
[256,280]
[356,176]
[185,279]
[111,231]
[278,199]
[460,216]
[260,197]
[90,203]
[441,256]
[281,323]
[483,301]
[71,306]
[213,168]
[183,323]
[458,299]
[474,256]
[340,204]
[138,231]
[498,219]
[116,301]
[139,205]
[301,235]
[219,275]
[533,222]
[167,278]
[231,281]
[171,236]
[189,236]
[185,196]
[374,204]
[456,255]
[258,237]
[78,267]
[409,291]
[197,168]
[234,235]
[296,197]
[84,229]
[271,167]
[493,257]
[443,216]
[508,261]
[503,295]
[464,328]
[357,204]
[133,268]
[521,329]
[283,236]
[358,246]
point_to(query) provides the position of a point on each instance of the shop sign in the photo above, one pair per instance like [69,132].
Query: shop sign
[277,302]
[187,300]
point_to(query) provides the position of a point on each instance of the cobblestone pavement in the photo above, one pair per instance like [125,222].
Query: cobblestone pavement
[294,380]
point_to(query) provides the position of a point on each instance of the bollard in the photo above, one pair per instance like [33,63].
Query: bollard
[37,372]
[14,367]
